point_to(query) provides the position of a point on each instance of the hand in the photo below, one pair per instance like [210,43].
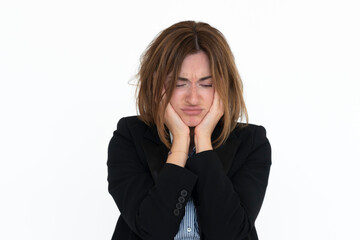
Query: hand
[174,123]
[181,137]
[207,125]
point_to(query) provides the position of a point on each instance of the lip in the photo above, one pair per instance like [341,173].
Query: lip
[192,111]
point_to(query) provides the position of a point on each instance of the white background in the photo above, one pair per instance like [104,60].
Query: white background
[65,69]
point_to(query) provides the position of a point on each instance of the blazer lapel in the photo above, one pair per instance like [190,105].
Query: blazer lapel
[155,151]
[227,151]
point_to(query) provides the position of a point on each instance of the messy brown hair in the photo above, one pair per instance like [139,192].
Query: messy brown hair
[162,60]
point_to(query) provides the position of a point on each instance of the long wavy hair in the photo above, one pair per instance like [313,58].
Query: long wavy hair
[163,58]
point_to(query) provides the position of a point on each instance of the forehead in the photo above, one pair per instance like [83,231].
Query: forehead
[195,64]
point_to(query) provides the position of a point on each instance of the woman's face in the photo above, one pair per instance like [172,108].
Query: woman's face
[194,92]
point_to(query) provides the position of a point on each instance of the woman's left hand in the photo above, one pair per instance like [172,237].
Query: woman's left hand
[207,125]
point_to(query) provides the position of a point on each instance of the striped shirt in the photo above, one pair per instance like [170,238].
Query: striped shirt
[188,229]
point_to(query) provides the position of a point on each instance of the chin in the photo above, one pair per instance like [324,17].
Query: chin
[192,122]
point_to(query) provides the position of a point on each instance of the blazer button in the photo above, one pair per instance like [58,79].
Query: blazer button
[176,212]
[181,199]
[179,205]
[183,193]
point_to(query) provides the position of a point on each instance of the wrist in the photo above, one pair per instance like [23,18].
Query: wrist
[203,143]
[178,158]
[178,153]
[180,143]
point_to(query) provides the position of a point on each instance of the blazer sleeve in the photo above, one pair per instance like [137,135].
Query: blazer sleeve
[151,209]
[228,207]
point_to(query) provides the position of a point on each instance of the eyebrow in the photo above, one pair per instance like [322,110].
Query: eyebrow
[201,79]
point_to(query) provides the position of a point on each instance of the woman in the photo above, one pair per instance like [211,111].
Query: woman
[185,168]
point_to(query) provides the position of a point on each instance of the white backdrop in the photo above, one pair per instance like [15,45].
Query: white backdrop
[65,68]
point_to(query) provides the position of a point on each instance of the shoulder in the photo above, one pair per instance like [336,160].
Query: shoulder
[126,126]
[247,146]
[133,127]
[131,123]
[249,131]
[252,137]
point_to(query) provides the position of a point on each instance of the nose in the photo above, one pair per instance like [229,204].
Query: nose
[192,95]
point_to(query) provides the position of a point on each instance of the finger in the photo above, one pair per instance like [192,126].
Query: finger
[169,109]
[219,106]
[216,98]
[222,109]
[170,114]
[216,102]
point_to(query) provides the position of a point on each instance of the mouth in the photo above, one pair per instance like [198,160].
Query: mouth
[192,111]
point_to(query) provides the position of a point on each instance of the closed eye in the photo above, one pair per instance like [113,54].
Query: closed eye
[206,85]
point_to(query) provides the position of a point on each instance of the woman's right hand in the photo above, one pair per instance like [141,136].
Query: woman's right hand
[174,123]
[181,137]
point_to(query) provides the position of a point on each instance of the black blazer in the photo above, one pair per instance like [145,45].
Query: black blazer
[227,184]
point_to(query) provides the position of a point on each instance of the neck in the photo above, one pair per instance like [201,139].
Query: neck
[192,132]
[192,142]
